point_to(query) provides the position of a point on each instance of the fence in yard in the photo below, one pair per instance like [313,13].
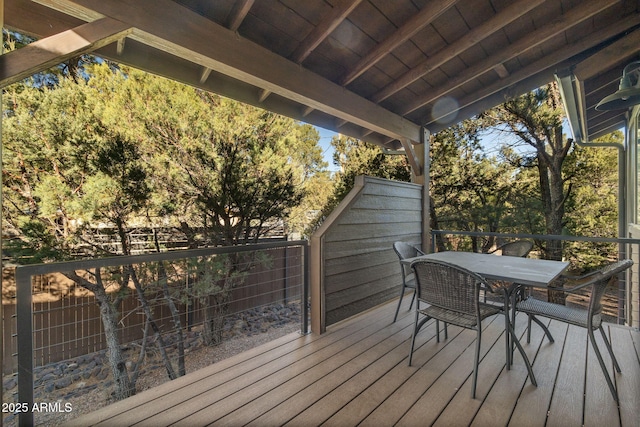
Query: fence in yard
[67,324]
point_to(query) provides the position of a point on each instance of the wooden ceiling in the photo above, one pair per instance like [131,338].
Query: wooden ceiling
[377,70]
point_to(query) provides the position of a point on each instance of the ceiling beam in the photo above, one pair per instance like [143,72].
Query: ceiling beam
[625,49]
[473,37]
[424,17]
[46,53]
[549,62]
[40,21]
[238,13]
[326,26]
[573,17]
[243,60]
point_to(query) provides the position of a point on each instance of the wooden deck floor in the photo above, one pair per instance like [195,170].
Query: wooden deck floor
[357,374]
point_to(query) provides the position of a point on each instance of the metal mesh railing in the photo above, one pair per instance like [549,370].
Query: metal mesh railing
[163,306]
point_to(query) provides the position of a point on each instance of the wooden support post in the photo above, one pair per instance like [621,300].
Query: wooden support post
[426,198]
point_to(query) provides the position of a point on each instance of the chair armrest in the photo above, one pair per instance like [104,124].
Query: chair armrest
[577,283]
[420,252]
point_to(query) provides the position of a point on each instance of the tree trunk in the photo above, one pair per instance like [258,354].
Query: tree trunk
[214,315]
[156,330]
[123,386]
[553,197]
[175,316]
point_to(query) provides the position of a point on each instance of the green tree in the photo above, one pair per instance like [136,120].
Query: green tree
[535,119]
[592,209]
[48,168]
[355,157]
[226,173]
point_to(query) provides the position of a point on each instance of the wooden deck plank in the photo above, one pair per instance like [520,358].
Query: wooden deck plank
[627,382]
[461,409]
[357,374]
[313,363]
[536,401]
[567,405]
[498,406]
[132,405]
[138,407]
[426,372]
[452,380]
[287,404]
[599,408]
[376,394]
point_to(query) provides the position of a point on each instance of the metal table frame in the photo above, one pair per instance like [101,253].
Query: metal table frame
[518,271]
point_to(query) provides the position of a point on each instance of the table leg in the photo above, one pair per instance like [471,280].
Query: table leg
[507,335]
[510,297]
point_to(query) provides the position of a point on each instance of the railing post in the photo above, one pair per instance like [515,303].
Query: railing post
[305,288]
[24,305]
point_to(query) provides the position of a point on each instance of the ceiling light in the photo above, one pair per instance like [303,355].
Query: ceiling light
[628,93]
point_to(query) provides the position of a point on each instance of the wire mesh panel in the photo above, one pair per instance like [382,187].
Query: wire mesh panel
[89,321]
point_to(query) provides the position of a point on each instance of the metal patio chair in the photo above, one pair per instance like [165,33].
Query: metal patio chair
[405,250]
[452,295]
[590,318]
[519,248]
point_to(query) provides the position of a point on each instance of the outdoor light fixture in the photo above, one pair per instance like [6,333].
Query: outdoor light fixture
[628,93]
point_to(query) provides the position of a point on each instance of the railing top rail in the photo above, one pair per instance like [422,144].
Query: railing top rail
[35,269]
[541,236]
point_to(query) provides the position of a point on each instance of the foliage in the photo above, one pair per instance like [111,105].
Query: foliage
[535,120]
[355,157]
[107,148]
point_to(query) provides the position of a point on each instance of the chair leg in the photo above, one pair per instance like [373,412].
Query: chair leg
[507,336]
[437,330]
[542,325]
[413,298]
[507,341]
[476,361]
[596,350]
[400,303]
[514,340]
[413,338]
[608,344]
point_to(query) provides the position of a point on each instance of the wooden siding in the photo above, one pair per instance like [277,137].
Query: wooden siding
[358,268]
[357,374]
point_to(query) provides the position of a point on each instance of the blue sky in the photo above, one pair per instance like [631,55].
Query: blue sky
[327,149]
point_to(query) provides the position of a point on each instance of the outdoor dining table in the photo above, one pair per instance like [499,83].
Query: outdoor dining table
[515,271]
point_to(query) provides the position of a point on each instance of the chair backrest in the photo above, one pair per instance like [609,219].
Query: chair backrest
[599,285]
[405,250]
[448,286]
[519,248]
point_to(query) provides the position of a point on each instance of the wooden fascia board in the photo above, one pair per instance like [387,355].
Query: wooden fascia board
[40,21]
[43,54]
[155,25]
